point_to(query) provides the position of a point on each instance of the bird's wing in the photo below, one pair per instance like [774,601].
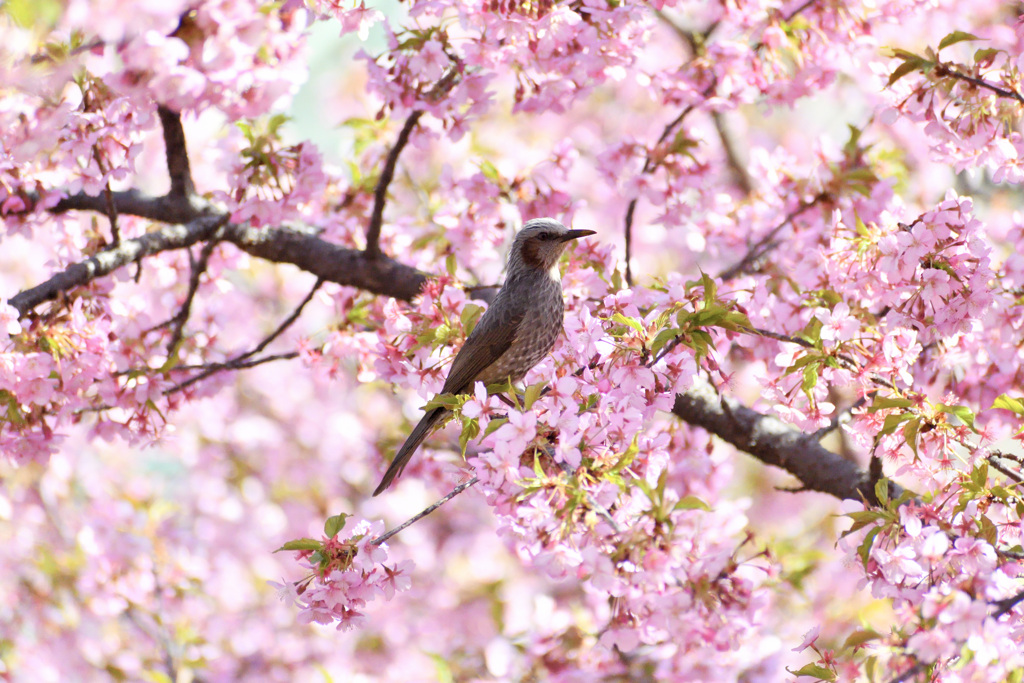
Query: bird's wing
[491,338]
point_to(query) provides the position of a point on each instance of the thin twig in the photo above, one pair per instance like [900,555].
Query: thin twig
[760,249]
[732,157]
[834,423]
[650,164]
[1007,604]
[783,338]
[381,191]
[287,322]
[993,460]
[910,673]
[947,70]
[242,360]
[233,364]
[197,269]
[108,194]
[456,491]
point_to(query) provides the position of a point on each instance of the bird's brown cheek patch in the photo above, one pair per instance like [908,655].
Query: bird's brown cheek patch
[531,254]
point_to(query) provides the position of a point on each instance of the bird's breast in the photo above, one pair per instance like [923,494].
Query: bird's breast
[537,332]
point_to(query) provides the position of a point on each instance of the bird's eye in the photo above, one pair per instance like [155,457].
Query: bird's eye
[545,236]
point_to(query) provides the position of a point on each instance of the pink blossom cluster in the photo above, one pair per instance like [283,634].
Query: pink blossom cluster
[966,92]
[791,244]
[278,184]
[347,574]
[52,372]
[239,57]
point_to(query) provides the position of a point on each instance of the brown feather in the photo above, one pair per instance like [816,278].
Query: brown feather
[488,341]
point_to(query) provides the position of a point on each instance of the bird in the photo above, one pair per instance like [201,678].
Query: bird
[516,331]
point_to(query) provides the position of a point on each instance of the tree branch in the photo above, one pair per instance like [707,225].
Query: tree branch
[762,247]
[177,154]
[765,438]
[732,157]
[233,364]
[167,209]
[774,442]
[331,262]
[409,522]
[944,69]
[179,320]
[298,246]
[381,191]
[106,262]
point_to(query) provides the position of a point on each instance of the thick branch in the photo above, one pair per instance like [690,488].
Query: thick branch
[177,154]
[328,261]
[168,209]
[106,262]
[300,247]
[381,191]
[773,442]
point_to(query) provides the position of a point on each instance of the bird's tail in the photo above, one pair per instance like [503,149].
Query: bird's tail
[419,433]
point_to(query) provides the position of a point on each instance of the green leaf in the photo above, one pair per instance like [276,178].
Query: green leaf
[447,401]
[471,316]
[956,37]
[334,524]
[819,672]
[490,171]
[985,55]
[301,544]
[14,414]
[905,68]
[910,431]
[442,669]
[494,424]
[450,264]
[886,402]
[692,503]
[810,379]
[626,459]
[895,420]
[861,519]
[710,288]
[882,491]
[858,638]
[987,530]
[275,123]
[470,430]
[864,549]
[631,322]
[1007,402]
[664,337]
[532,393]
[862,230]
[442,333]
[979,475]
[37,14]
[963,413]
[682,144]
[735,321]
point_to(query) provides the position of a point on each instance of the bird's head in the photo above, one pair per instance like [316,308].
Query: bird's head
[540,243]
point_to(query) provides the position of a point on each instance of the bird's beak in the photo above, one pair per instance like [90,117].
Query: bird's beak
[576,234]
